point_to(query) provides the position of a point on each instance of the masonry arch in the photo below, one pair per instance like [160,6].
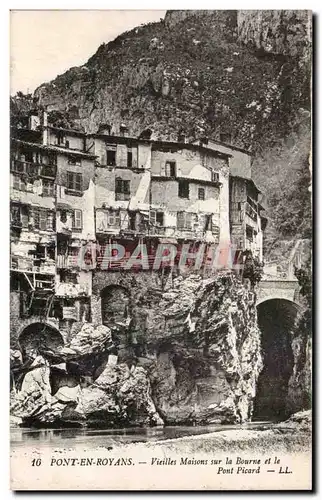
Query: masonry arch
[276,320]
[39,337]
[115,305]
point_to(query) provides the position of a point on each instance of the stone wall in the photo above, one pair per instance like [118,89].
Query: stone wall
[198,340]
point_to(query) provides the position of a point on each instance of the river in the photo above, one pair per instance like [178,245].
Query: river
[72,437]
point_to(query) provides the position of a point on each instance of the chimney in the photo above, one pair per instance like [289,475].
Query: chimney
[104,128]
[203,141]
[146,134]
[225,137]
[33,121]
[124,130]
[182,137]
[44,122]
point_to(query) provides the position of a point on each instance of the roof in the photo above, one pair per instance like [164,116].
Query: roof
[180,145]
[229,146]
[185,145]
[70,131]
[249,181]
[55,149]
[189,179]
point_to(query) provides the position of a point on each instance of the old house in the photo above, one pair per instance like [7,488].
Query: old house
[52,221]
[77,198]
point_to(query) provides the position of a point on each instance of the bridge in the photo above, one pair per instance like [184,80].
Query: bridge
[278,309]
[283,289]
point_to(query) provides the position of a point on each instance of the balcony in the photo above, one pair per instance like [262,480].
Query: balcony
[66,261]
[32,265]
[251,212]
[157,231]
[33,169]
[63,289]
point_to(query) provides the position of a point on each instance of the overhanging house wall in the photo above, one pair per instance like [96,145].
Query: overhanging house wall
[110,188]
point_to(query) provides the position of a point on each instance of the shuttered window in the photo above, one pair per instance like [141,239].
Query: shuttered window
[77,219]
[183,190]
[47,188]
[184,220]
[18,183]
[43,219]
[74,181]
[122,189]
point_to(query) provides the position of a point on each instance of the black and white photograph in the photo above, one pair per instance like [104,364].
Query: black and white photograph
[161,250]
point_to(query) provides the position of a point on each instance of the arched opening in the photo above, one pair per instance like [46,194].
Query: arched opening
[115,305]
[276,319]
[38,337]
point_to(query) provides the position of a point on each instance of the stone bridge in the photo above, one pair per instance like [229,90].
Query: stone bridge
[278,309]
[268,289]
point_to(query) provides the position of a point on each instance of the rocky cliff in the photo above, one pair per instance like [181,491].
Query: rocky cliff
[199,361]
[242,73]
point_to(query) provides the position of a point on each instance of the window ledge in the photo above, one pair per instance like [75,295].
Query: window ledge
[73,192]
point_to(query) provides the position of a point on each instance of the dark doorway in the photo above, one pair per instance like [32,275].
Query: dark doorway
[40,337]
[115,305]
[276,320]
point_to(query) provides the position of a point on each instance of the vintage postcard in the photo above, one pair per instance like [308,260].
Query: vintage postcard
[160,250]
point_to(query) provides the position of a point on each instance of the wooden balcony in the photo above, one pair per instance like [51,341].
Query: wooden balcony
[33,169]
[31,265]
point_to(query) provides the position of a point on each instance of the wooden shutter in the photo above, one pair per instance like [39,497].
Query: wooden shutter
[70,180]
[153,217]
[42,220]
[78,182]
[77,219]
[188,220]
[180,220]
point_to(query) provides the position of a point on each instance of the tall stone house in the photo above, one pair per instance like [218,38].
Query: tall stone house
[74,194]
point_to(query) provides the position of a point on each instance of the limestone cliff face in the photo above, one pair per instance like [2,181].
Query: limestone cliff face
[246,73]
[300,383]
[208,356]
[286,32]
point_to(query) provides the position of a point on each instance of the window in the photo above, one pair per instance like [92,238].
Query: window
[214,176]
[19,183]
[183,189]
[129,158]
[201,193]
[208,223]
[77,219]
[184,220]
[74,181]
[43,219]
[113,218]
[249,233]
[111,157]
[67,276]
[48,188]
[15,215]
[156,218]
[17,166]
[170,169]
[73,160]
[122,189]
[67,144]
[63,216]
[60,138]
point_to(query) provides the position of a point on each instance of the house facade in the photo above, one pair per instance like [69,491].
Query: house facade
[77,198]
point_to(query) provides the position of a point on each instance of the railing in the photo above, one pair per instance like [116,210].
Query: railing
[27,264]
[251,212]
[66,261]
[154,230]
[33,169]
